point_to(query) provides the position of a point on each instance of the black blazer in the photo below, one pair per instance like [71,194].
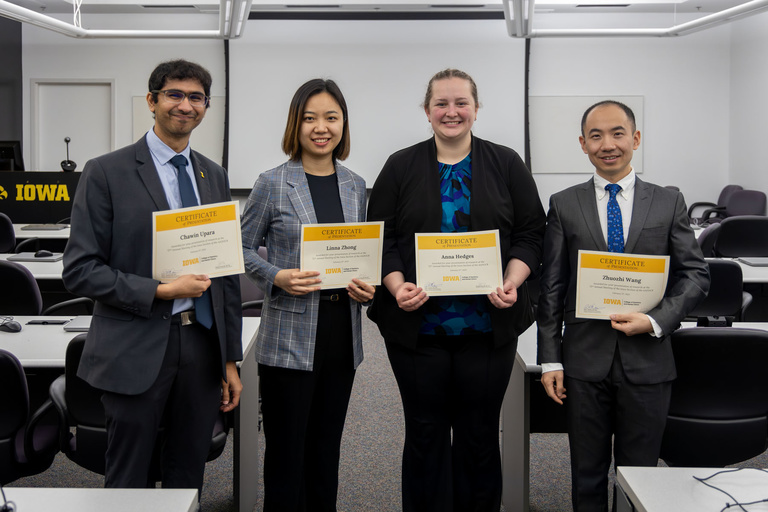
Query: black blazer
[406,196]
[109,258]
[586,348]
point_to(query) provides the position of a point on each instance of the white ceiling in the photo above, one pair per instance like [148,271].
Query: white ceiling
[369,6]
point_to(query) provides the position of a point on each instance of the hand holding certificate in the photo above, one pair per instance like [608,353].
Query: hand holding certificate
[198,240]
[343,252]
[609,282]
[459,263]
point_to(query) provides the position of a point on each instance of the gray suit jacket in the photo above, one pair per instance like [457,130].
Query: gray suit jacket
[109,258]
[279,204]
[586,348]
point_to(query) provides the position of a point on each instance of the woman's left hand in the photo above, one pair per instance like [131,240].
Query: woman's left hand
[504,298]
[360,291]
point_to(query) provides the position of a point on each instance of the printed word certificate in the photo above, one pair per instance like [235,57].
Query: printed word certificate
[341,252]
[459,263]
[609,282]
[198,240]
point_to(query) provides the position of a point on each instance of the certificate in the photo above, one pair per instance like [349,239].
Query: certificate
[341,252]
[198,240]
[610,282]
[459,263]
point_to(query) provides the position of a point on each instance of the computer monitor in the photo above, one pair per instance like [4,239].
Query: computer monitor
[10,156]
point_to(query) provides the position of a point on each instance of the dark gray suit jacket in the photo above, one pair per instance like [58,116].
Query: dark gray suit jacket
[109,258]
[586,348]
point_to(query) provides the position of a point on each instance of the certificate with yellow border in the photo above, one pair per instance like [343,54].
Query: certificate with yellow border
[609,282]
[342,252]
[459,263]
[198,240]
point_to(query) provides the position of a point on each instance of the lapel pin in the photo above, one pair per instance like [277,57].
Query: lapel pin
[202,175]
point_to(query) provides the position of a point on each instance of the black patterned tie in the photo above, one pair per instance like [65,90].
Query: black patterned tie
[615,224]
[203,306]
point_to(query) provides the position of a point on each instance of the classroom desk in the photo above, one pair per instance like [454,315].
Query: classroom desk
[41,270]
[752,274]
[45,346]
[516,419]
[667,489]
[44,499]
[54,234]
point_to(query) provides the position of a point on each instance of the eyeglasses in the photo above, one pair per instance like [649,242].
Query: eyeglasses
[196,99]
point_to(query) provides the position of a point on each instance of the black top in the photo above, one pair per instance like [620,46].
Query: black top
[325,198]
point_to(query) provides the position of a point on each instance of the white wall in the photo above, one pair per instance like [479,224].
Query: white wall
[686,83]
[749,103]
[686,87]
[129,62]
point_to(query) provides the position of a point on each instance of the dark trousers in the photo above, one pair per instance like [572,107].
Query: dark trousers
[633,415]
[304,415]
[185,399]
[452,388]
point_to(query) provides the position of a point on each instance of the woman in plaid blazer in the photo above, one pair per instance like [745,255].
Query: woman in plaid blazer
[309,341]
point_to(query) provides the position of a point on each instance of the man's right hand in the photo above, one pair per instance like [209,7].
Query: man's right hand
[183,287]
[553,385]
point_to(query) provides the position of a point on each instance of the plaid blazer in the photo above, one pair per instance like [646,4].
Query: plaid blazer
[278,205]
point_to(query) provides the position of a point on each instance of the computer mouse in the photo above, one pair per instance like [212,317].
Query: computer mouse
[10,326]
[42,253]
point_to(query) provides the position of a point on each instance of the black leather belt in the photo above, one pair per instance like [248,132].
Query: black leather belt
[185,317]
[335,297]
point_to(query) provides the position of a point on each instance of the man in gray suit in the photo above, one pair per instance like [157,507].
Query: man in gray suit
[618,373]
[163,353]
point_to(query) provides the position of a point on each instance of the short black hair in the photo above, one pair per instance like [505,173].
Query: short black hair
[626,109]
[291,145]
[179,69]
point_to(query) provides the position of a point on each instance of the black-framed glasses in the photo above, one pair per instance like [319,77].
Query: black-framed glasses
[196,99]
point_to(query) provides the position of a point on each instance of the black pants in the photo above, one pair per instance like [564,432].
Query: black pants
[185,399]
[452,389]
[614,410]
[304,415]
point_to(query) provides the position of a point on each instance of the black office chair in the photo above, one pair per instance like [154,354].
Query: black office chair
[83,436]
[22,295]
[707,239]
[719,409]
[697,209]
[28,444]
[7,234]
[745,235]
[252,296]
[740,203]
[726,299]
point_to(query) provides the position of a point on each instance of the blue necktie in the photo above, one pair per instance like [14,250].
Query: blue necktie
[615,225]
[203,306]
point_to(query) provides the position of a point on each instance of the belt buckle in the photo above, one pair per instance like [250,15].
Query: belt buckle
[187,317]
[334,297]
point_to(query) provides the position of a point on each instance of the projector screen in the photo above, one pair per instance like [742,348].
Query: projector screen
[383,68]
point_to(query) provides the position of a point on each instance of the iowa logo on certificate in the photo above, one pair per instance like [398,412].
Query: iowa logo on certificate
[459,263]
[610,282]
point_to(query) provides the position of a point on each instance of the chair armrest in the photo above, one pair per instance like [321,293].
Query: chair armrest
[709,212]
[45,416]
[57,393]
[253,304]
[22,246]
[87,302]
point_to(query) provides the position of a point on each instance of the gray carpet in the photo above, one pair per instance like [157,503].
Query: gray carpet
[370,466]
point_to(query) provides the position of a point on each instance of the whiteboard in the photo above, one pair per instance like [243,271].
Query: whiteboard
[382,68]
[555,128]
